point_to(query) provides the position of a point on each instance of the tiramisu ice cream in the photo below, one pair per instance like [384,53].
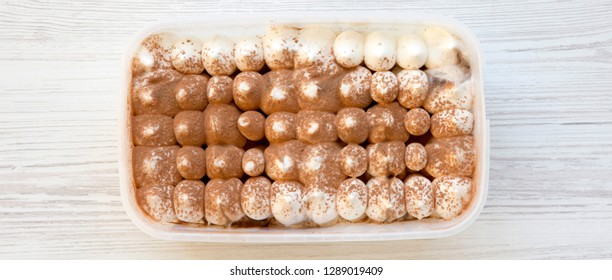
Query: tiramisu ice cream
[320,202]
[419,196]
[190,93]
[352,199]
[252,125]
[384,87]
[156,201]
[413,88]
[189,128]
[316,127]
[354,88]
[255,198]
[153,130]
[224,161]
[417,121]
[221,125]
[380,52]
[348,48]
[249,55]
[386,201]
[416,156]
[186,56]
[218,56]
[248,89]
[451,195]
[191,162]
[282,160]
[352,125]
[386,159]
[386,123]
[280,94]
[253,162]
[155,165]
[287,202]
[188,201]
[222,201]
[220,90]
[302,127]
[353,160]
[280,127]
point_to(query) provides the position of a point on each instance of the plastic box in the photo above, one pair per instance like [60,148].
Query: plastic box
[240,24]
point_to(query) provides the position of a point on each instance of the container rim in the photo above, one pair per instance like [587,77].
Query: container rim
[165,231]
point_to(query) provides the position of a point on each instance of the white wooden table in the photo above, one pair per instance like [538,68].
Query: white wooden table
[548,85]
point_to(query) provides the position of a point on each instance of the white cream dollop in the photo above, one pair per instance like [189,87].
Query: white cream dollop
[314,46]
[442,47]
[321,204]
[279,45]
[287,202]
[255,198]
[349,48]
[454,122]
[218,56]
[386,202]
[452,193]
[412,52]
[248,54]
[186,56]
[352,199]
[380,51]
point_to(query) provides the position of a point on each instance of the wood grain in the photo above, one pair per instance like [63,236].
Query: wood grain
[548,86]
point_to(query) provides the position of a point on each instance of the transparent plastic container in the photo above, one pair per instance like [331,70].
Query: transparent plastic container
[236,25]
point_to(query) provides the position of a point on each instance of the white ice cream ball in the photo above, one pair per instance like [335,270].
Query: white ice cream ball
[396,199]
[380,53]
[386,201]
[348,48]
[450,97]
[352,199]
[411,52]
[384,87]
[454,122]
[287,202]
[314,46]
[442,47]
[222,201]
[413,88]
[218,56]
[419,196]
[378,199]
[186,56]
[279,45]
[452,194]
[321,205]
[255,198]
[248,54]
[155,52]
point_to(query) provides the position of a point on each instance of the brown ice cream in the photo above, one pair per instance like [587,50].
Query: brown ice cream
[191,162]
[224,161]
[221,125]
[155,165]
[190,92]
[219,90]
[189,128]
[248,90]
[153,130]
[188,201]
[316,127]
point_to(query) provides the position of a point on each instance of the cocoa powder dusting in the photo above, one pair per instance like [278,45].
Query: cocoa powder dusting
[305,130]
